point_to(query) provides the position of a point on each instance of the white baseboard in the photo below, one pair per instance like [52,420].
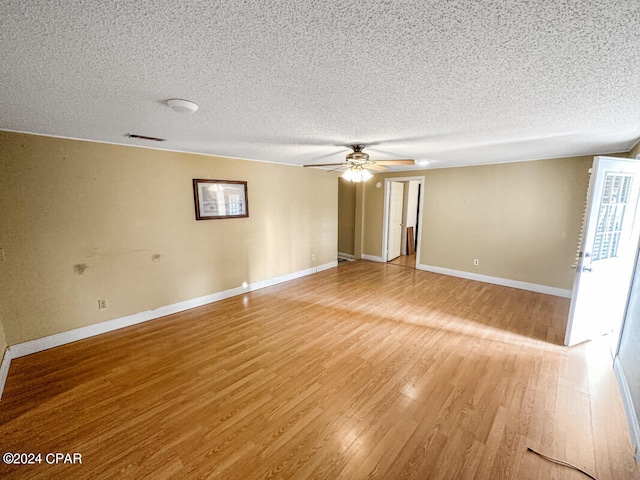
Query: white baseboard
[346,256]
[505,282]
[372,258]
[51,341]
[327,266]
[632,419]
[4,370]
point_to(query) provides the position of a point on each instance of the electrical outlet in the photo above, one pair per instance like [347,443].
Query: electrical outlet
[476,262]
[102,304]
[313,257]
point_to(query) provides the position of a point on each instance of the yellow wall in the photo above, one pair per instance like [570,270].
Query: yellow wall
[346,216]
[521,220]
[81,221]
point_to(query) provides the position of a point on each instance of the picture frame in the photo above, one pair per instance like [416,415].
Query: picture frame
[218,199]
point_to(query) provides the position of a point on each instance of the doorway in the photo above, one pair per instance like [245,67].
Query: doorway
[402,225]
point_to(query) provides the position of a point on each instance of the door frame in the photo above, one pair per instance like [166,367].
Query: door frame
[385,221]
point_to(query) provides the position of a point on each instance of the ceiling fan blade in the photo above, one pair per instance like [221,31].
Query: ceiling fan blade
[394,162]
[325,164]
[376,168]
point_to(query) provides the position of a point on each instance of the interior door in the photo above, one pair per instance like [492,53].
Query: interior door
[395,220]
[603,273]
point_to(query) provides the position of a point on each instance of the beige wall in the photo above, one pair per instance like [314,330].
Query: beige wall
[81,222]
[346,216]
[521,220]
[3,341]
[635,151]
[373,214]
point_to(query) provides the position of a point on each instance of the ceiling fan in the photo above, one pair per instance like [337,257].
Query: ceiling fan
[357,164]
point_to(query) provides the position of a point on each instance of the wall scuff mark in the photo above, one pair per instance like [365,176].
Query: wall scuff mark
[80,268]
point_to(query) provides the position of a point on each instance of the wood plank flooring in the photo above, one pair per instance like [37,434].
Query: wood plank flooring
[405,260]
[365,371]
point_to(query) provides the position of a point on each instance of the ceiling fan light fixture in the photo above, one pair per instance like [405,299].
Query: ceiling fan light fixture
[357,175]
[182,106]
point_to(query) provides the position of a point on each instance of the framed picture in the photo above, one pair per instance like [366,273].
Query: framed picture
[220,199]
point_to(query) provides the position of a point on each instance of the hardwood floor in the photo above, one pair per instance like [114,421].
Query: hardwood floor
[405,260]
[365,371]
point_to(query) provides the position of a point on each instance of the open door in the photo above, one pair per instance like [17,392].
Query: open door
[395,220]
[603,273]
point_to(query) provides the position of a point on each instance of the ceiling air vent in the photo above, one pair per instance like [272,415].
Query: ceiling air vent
[144,137]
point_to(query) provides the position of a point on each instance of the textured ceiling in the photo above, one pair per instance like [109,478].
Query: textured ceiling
[450,82]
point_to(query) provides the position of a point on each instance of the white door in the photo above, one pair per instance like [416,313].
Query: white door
[603,274]
[395,220]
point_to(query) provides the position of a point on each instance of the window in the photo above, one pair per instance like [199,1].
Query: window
[615,200]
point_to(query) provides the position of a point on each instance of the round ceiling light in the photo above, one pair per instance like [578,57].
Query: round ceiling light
[182,106]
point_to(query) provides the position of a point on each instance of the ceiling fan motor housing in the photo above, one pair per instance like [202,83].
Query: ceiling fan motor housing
[357,156]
